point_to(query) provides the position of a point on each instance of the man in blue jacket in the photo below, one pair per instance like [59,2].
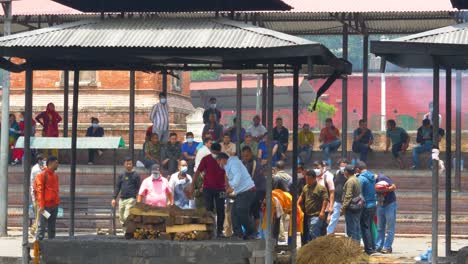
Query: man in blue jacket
[367,180]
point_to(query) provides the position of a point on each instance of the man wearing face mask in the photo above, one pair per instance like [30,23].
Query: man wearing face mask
[211,110]
[339,181]
[160,118]
[155,189]
[325,178]
[179,183]
[214,185]
[243,187]
[94,131]
[36,169]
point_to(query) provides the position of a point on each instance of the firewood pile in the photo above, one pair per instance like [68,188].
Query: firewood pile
[168,223]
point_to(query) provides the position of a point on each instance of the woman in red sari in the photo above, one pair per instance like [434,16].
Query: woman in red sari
[49,119]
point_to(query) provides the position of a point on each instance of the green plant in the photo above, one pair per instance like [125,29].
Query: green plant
[323,110]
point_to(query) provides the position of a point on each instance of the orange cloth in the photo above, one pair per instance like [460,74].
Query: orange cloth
[285,200]
[48,195]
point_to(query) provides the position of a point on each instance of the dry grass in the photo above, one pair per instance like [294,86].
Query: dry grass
[333,250]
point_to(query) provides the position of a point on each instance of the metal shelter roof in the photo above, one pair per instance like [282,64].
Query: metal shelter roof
[152,44]
[448,47]
[173,6]
[65,143]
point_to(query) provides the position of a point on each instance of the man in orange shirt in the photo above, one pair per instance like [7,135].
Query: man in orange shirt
[46,189]
[329,139]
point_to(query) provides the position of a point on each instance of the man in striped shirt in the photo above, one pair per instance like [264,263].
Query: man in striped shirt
[160,118]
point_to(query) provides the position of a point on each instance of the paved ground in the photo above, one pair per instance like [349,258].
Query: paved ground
[404,250]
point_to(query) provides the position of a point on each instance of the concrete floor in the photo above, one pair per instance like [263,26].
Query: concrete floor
[405,248]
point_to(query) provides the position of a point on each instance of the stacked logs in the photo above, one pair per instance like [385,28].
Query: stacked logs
[168,223]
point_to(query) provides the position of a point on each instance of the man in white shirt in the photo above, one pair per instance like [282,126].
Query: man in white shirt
[36,169]
[203,152]
[429,114]
[325,178]
[179,183]
[257,130]
[160,118]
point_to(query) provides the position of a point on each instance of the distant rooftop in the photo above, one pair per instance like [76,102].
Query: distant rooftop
[174,6]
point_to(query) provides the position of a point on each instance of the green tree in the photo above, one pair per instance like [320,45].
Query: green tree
[323,110]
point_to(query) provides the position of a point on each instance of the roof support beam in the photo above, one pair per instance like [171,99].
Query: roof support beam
[344,99]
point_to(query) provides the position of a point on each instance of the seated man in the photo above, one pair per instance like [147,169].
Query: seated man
[251,143]
[257,130]
[362,140]
[213,128]
[155,190]
[152,150]
[94,131]
[227,146]
[170,154]
[399,139]
[263,150]
[425,139]
[329,137]
[232,131]
[306,143]
[189,150]
[281,135]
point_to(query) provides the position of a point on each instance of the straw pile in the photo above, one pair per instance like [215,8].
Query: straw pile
[331,249]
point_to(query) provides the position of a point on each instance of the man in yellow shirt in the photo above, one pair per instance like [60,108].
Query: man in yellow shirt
[306,143]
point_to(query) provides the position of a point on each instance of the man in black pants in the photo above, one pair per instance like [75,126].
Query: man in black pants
[214,185]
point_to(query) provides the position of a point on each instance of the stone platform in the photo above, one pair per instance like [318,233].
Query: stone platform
[116,250]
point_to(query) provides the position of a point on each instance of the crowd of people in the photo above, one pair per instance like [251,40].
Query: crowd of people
[232,182]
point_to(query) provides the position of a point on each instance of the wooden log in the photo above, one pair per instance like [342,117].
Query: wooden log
[146,210]
[183,220]
[204,220]
[153,219]
[164,236]
[186,228]
[203,236]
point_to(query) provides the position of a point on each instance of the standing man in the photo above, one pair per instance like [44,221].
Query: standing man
[36,169]
[257,130]
[315,200]
[171,154]
[386,213]
[325,178]
[255,168]
[429,115]
[351,193]
[362,140]
[242,186]
[211,110]
[213,128]
[281,134]
[214,186]
[204,151]
[281,179]
[367,180]
[399,139]
[160,118]
[329,137]
[94,131]
[128,185]
[49,119]
[339,181]
[155,190]
[306,143]
[46,187]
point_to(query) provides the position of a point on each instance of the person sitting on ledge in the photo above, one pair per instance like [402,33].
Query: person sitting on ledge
[94,131]
[399,139]
[425,139]
[329,137]
[363,139]
[152,151]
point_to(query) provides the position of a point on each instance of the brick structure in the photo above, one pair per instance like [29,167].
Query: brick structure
[105,95]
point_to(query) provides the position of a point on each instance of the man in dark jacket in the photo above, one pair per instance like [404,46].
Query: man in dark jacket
[425,139]
[94,131]
[128,185]
[211,110]
[351,190]
[339,181]
[367,180]
[171,154]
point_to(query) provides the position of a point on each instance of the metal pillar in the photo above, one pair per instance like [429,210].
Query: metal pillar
[65,102]
[131,125]
[114,157]
[344,103]
[27,161]
[4,151]
[239,113]
[259,94]
[164,82]
[294,190]
[435,166]
[365,76]
[76,87]
[270,248]
[264,98]
[383,103]
[458,129]
[448,163]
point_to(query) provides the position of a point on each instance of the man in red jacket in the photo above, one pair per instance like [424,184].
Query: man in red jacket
[46,189]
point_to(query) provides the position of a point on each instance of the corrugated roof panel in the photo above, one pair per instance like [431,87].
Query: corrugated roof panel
[455,34]
[154,33]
